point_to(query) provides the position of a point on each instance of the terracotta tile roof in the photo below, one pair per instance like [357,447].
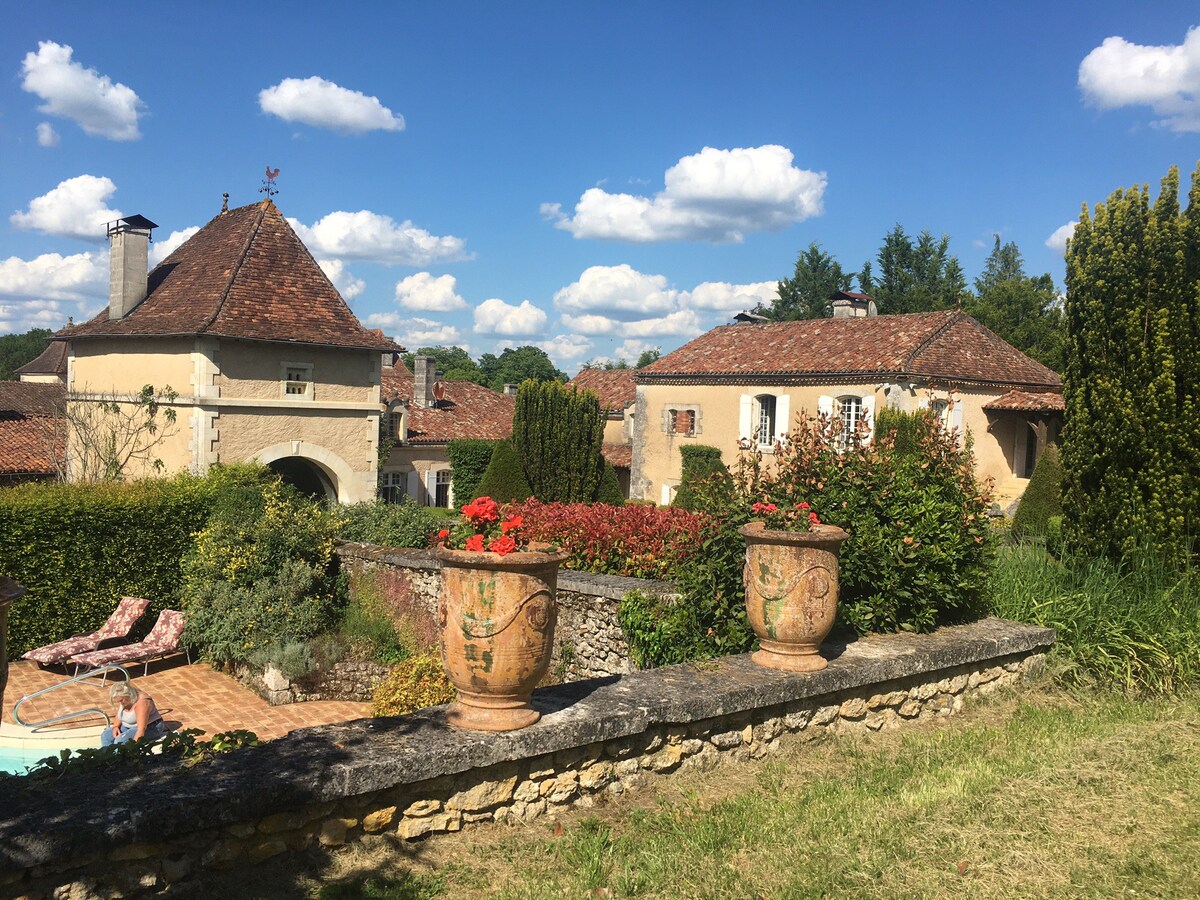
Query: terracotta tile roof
[614,387]
[947,346]
[28,398]
[619,455]
[243,275]
[469,410]
[51,361]
[30,438]
[1024,401]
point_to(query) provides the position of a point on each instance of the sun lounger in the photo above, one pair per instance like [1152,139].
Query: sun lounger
[115,631]
[164,639]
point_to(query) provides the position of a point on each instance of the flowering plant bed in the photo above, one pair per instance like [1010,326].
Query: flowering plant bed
[484,529]
[799,517]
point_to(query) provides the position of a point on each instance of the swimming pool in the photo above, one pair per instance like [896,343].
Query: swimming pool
[16,760]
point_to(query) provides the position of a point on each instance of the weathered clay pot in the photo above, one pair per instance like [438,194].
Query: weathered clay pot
[791,593]
[497,616]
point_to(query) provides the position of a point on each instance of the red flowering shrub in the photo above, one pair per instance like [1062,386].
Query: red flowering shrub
[635,540]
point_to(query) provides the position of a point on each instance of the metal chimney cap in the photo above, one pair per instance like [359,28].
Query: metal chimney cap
[131,223]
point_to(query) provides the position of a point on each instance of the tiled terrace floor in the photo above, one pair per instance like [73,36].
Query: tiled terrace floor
[188,696]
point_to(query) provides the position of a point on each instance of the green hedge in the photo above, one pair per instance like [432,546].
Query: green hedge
[79,548]
[700,463]
[469,459]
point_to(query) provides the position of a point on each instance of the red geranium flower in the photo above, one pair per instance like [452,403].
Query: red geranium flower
[502,545]
[511,523]
[474,542]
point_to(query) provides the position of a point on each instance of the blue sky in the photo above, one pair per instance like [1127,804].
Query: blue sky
[595,179]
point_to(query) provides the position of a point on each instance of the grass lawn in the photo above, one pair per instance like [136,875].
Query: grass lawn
[1036,795]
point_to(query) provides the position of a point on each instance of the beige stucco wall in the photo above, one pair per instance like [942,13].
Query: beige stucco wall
[231,405]
[422,460]
[617,431]
[657,462]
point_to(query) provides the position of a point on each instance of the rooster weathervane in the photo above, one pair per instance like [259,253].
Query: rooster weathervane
[268,185]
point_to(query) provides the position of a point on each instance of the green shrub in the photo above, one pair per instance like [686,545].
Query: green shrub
[504,481]
[416,683]
[403,524]
[295,660]
[903,426]
[918,553]
[469,459]
[610,487]
[558,432]
[79,548]
[700,463]
[370,631]
[261,575]
[1042,500]
[1134,629]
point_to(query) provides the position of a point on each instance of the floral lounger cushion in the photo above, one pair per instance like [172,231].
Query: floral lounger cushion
[164,638]
[118,625]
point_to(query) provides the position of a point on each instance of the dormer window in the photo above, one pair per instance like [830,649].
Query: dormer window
[297,381]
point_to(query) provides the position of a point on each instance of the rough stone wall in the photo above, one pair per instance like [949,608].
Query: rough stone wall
[521,790]
[588,639]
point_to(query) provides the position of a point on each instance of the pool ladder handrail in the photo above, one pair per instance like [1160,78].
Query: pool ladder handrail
[74,715]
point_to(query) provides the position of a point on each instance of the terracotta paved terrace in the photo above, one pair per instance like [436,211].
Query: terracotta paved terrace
[188,696]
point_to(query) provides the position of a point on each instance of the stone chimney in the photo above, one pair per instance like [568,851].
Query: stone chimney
[847,305]
[510,389]
[424,378]
[129,253]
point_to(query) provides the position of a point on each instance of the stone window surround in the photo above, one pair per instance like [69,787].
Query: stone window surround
[286,368]
[669,413]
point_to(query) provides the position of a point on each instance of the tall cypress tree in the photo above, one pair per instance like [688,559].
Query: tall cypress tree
[1131,382]
[558,432]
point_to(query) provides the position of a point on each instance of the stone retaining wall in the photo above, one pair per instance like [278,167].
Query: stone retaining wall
[588,639]
[415,775]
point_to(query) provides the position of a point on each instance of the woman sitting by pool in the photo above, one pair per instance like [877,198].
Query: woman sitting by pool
[137,717]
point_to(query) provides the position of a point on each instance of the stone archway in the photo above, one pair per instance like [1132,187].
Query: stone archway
[312,468]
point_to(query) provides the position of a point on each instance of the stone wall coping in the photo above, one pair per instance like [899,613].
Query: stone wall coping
[612,587]
[157,800]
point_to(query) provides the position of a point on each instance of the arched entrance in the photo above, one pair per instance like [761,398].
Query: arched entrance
[305,476]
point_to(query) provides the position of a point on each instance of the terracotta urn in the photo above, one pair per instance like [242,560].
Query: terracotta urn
[791,593]
[496,615]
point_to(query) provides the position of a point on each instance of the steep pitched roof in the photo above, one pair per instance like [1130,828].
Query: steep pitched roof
[243,275]
[469,410]
[29,438]
[51,361]
[946,346]
[614,387]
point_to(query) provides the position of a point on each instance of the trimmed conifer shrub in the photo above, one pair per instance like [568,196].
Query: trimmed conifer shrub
[700,464]
[469,459]
[558,432]
[610,487]
[504,481]
[903,425]
[1132,382]
[1043,496]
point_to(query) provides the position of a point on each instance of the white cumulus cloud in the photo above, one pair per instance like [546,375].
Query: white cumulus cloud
[17,318]
[76,208]
[715,195]
[1165,78]
[345,282]
[1058,240]
[372,237]
[590,324]
[631,349]
[497,317]
[89,99]
[683,322]
[426,292]
[323,104]
[47,136]
[417,332]
[564,350]
[617,291]
[80,277]
[161,249]
[725,297]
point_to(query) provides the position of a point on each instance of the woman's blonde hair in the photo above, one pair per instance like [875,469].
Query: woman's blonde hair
[123,690]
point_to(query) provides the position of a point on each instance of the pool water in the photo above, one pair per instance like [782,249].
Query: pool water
[16,760]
